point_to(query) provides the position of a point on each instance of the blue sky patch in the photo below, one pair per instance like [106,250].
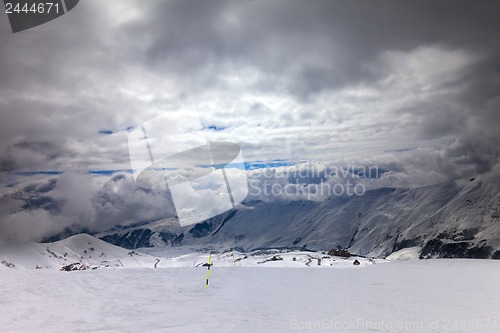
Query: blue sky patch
[215,128]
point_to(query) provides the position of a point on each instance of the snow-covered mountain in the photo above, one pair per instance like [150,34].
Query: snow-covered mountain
[454,219]
[82,251]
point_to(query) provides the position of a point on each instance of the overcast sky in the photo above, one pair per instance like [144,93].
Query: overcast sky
[410,86]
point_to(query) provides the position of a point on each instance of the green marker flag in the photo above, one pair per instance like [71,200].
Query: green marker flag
[208,272]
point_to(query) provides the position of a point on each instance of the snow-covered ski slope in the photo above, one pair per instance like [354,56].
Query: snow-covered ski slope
[404,296]
[455,295]
[92,253]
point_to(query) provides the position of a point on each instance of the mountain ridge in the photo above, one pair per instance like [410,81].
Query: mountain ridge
[378,223]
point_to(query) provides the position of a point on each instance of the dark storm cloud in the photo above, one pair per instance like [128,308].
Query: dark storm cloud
[412,86]
[49,150]
[297,49]
[310,46]
[327,45]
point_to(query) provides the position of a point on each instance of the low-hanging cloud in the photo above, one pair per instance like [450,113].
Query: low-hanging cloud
[82,202]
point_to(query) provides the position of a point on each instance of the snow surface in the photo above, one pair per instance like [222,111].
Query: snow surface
[432,296]
[82,248]
[276,296]
[406,254]
[93,253]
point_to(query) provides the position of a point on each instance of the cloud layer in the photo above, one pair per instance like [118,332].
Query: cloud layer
[413,88]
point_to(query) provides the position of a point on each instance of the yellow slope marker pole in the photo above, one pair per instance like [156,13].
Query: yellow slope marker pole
[208,272]
[234,260]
